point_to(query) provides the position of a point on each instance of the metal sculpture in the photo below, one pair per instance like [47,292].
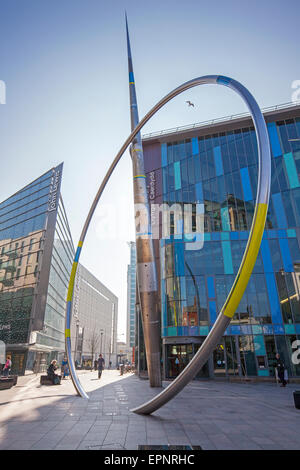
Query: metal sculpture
[249,258]
[146,267]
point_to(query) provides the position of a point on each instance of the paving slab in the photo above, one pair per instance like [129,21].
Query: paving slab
[215,415]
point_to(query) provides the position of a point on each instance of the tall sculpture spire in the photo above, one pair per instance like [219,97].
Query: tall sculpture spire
[146,268]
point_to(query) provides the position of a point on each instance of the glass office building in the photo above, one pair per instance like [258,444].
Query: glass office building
[214,165]
[36,253]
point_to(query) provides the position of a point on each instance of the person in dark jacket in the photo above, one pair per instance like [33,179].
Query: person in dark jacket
[280,366]
[100,365]
[51,372]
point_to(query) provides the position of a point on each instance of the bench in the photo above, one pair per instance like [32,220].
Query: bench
[44,380]
[6,382]
[15,378]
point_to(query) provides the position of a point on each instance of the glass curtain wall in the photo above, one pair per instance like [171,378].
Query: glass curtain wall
[220,172]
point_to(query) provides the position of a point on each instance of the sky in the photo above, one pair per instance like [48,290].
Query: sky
[64,64]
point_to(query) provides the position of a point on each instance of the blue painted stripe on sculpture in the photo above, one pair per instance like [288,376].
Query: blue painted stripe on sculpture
[223,80]
[274,139]
[195,146]
[266,256]
[164,156]
[69,306]
[218,161]
[273,298]
[248,196]
[131,77]
[227,257]
[212,311]
[77,254]
[177,177]
[210,287]
[286,255]
[291,170]
[279,210]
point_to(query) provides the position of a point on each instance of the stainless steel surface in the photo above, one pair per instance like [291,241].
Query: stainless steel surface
[146,268]
[262,197]
[189,371]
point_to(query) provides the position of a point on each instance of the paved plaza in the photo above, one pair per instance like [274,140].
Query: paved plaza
[212,414]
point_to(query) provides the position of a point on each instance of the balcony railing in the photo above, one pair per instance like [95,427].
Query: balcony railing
[210,122]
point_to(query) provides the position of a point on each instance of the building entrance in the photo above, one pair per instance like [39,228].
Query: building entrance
[178,356]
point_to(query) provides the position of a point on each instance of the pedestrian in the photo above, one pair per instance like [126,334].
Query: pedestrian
[110,363]
[7,367]
[100,365]
[280,367]
[95,364]
[65,368]
[177,364]
[51,373]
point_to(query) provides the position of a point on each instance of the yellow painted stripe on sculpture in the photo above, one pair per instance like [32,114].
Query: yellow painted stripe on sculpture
[240,285]
[80,243]
[71,283]
[67,333]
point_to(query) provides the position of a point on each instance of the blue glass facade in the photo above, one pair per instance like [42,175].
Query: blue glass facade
[36,253]
[218,167]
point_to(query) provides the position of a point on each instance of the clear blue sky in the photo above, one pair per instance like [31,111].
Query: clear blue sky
[65,67]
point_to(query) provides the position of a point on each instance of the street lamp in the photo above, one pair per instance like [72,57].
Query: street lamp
[101,332]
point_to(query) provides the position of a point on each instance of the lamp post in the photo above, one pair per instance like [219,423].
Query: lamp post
[101,332]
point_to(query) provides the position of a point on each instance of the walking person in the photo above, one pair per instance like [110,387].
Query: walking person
[280,367]
[65,368]
[7,367]
[101,364]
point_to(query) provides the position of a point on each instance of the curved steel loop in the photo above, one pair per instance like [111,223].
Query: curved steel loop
[250,254]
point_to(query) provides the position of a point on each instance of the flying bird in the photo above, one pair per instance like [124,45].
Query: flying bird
[190,103]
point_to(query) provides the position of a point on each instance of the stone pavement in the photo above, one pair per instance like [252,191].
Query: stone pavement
[212,414]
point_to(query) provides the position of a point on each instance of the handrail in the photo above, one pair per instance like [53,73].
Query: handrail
[210,122]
